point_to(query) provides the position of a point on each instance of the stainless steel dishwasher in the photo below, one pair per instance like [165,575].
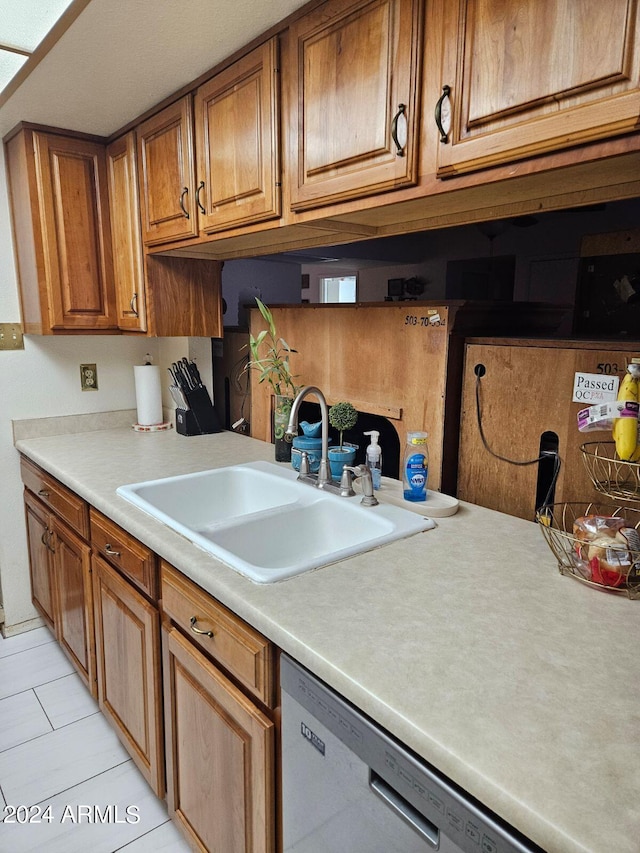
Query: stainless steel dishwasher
[348,787]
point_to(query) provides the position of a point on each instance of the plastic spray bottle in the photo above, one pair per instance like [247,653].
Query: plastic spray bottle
[415,467]
[374,458]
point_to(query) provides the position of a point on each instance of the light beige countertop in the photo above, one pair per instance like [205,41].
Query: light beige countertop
[465,642]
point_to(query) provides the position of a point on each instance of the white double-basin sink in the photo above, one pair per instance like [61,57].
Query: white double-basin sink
[261,521]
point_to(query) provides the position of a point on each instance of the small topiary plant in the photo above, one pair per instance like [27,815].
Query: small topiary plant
[343,416]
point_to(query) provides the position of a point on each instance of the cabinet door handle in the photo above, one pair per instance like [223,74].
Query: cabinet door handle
[443,114]
[195,630]
[108,550]
[46,540]
[184,192]
[133,304]
[198,202]
[402,111]
[43,493]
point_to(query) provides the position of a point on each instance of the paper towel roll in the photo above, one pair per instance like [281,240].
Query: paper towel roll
[148,394]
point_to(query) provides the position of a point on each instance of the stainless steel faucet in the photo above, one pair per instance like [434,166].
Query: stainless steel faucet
[322,479]
[362,473]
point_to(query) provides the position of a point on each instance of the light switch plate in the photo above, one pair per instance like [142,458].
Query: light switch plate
[11,336]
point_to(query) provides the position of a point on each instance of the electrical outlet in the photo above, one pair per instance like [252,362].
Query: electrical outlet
[11,336]
[88,377]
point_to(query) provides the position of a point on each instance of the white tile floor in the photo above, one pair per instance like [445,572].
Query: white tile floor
[63,765]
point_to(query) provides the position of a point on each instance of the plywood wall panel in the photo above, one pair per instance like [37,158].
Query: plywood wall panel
[527,389]
[402,360]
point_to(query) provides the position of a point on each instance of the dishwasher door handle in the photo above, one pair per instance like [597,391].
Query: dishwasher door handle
[410,815]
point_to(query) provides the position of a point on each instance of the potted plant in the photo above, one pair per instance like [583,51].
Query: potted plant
[342,416]
[270,357]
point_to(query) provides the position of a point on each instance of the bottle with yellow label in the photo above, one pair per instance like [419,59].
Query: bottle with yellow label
[415,467]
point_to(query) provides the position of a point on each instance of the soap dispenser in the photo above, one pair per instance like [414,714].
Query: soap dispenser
[374,458]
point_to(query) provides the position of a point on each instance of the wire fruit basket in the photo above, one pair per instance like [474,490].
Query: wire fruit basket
[610,475]
[609,561]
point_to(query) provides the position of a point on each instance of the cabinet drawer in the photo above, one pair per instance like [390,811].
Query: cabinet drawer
[56,497]
[125,552]
[241,650]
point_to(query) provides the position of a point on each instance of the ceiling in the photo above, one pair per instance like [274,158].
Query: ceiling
[117,60]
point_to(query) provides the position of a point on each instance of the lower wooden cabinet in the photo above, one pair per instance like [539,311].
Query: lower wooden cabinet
[127,629]
[60,566]
[74,618]
[40,568]
[220,755]
[194,702]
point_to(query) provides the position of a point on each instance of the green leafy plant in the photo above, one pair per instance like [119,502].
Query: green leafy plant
[342,416]
[270,357]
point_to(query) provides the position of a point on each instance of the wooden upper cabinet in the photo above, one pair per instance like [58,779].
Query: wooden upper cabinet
[237,143]
[58,192]
[528,78]
[353,100]
[125,233]
[166,174]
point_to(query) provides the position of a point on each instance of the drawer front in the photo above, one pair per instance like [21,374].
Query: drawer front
[125,552]
[241,650]
[61,500]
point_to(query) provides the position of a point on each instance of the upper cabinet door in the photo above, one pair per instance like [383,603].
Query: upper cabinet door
[238,143]
[354,100]
[165,161]
[75,232]
[125,233]
[528,78]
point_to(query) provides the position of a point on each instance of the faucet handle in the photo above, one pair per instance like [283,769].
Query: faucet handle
[304,464]
[363,472]
[346,482]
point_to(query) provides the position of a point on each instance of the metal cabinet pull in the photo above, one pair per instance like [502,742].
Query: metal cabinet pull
[198,202]
[133,304]
[441,118]
[402,110]
[110,552]
[46,540]
[43,493]
[195,630]
[184,192]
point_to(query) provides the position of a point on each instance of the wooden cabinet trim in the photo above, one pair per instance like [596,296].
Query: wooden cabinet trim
[129,669]
[60,220]
[184,296]
[237,128]
[244,776]
[124,204]
[76,233]
[122,550]
[240,649]
[503,111]
[57,497]
[74,599]
[40,567]
[347,170]
[166,170]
